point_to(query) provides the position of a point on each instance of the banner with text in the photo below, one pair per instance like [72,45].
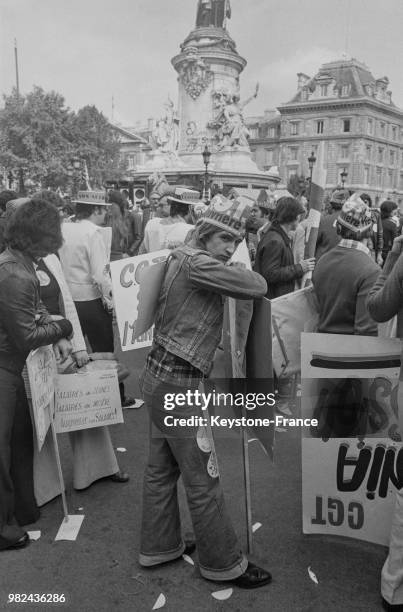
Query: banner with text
[126,274]
[86,400]
[352,459]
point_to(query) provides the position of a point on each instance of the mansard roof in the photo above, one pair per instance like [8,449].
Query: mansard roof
[346,79]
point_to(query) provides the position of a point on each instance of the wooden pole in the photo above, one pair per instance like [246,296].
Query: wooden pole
[58,463]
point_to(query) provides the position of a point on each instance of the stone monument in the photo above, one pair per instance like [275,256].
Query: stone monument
[210,107]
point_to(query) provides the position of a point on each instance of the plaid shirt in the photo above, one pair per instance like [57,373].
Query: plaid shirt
[354,244]
[167,367]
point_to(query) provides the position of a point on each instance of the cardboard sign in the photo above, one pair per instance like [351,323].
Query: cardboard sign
[42,371]
[292,314]
[126,274]
[351,458]
[87,400]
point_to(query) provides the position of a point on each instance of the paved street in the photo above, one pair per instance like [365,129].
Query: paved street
[99,571]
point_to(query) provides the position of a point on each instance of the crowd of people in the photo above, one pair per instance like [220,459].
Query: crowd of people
[55,288]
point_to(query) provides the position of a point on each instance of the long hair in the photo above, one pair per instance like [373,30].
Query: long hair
[34,229]
[117,221]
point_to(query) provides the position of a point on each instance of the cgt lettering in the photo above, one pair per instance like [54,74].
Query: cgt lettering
[131,273]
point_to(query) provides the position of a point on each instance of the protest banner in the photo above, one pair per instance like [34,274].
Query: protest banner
[42,371]
[352,459]
[126,275]
[86,400]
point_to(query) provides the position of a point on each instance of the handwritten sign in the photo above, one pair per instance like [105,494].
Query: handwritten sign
[351,458]
[126,274]
[42,371]
[87,400]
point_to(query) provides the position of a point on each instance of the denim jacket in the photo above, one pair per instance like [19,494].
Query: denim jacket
[191,306]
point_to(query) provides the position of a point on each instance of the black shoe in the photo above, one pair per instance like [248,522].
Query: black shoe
[391,607]
[120,477]
[21,543]
[252,578]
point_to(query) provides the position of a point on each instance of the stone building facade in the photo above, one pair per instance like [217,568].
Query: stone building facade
[353,113]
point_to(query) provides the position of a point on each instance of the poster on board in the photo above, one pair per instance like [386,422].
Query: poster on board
[352,459]
[42,371]
[126,274]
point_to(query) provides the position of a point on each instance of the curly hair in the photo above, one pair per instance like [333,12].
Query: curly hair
[34,229]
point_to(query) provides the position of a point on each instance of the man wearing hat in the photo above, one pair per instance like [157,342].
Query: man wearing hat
[327,234]
[344,275]
[188,329]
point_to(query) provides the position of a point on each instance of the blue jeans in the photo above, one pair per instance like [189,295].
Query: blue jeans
[175,451]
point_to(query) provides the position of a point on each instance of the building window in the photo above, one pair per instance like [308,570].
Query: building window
[368,151]
[253,154]
[254,132]
[391,158]
[346,125]
[293,153]
[380,155]
[366,175]
[323,90]
[131,162]
[345,90]
[379,177]
[401,181]
[382,129]
[268,156]
[272,132]
[344,151]
[294,129]
[394,132]
[319,127]
[291,173]
[390,178]
[370,127]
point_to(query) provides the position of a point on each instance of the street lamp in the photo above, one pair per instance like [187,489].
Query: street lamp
[206,160]
[343,176]
[311,163]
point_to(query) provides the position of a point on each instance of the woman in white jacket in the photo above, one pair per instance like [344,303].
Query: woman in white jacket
[94,456]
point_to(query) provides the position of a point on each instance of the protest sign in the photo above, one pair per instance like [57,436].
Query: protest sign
[352,458]
[126,275]
[292,314]
[86,400]
[42,371]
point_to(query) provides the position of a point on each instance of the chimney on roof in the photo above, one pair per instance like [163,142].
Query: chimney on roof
[150,124]
[382,83]
[302,80]
[270,113]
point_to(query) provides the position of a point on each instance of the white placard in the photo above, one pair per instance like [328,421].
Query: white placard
[125,282]
[351,459]
[42,371]
[87,400]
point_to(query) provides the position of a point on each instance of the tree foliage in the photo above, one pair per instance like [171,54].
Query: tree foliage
[41,135]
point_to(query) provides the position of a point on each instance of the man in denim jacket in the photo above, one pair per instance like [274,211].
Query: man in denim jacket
[188,330]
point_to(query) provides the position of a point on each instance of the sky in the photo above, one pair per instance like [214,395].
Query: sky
[92,50]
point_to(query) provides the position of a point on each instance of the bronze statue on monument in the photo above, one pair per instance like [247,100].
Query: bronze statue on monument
[213,13]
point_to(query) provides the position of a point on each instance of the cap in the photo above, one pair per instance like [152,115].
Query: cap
[229,215]
[96,198]
[355,215]
[182,195]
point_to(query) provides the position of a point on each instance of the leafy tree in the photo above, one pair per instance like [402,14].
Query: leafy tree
[40,134]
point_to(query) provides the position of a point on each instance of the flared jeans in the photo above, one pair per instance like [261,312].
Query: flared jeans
[185,451]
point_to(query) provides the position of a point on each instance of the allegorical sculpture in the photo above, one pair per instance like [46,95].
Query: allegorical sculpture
[212,13]
[229,124]
[166,132]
